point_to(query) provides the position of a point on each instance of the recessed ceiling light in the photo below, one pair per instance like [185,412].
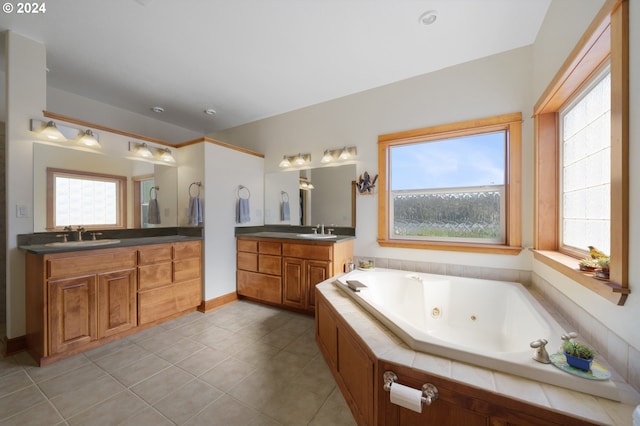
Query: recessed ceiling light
[210,111]
[157,109]
[428,17]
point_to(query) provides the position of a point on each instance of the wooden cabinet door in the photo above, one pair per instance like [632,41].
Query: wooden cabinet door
[116,302]
[316,271]
[72,313]
[293,282]
[356,370]
[327,334]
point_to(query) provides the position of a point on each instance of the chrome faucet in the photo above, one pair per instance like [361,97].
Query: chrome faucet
[541,354]
[80,230]
[321,228]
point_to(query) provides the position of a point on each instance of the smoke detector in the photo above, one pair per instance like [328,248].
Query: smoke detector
[157,109]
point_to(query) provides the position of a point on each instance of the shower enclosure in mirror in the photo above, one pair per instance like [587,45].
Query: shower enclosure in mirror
[321,195]
[83,198]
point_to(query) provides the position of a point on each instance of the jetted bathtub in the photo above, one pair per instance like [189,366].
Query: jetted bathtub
[481,322]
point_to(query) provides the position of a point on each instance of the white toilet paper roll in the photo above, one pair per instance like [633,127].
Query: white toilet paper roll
[406,397]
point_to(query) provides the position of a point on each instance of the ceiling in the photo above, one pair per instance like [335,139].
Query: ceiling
[252,59]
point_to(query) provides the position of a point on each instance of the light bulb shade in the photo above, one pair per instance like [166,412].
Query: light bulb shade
[50,131]
[166,156]
[285,162]
[143,151]
[87,138]
[299,161]
[344,155]
[327,157]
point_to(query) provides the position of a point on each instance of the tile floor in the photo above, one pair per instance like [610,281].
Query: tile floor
[241,364]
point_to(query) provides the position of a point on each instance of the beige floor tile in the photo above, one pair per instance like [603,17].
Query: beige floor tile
[40,374]
[187,401]
[334,412]
[9,365]
[257,353]
[160,385]
[42,414]
[160,341]
[224,411]
[83,397]
[71,380]
[125,356]
[257,389]
[16,402]
[293,405]
[110,412]
[180,350]
[140,370]
[109,348]
[147,417]
[202,361]
[13,382]
[228,373]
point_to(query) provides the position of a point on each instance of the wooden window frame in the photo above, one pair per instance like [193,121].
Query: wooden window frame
[512,123]
[606,40]
[122,197]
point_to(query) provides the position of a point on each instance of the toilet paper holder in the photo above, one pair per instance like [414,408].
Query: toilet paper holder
[429,391]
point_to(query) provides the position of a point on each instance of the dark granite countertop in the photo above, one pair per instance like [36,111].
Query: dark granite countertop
[295,236]
[38,243]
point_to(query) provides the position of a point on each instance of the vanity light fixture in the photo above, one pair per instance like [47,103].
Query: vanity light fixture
[87,138]
[285,162]
[48,130]
[140,149]
[295,160]
[342,154]
[305,184]
[166,156]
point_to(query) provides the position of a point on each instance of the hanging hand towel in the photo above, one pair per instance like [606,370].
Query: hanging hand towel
[285,212]
[195,211]
[153,216]
[243,211]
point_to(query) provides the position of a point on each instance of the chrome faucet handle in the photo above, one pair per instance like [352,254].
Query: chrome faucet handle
[68,228]
[541,354]
[80,230]
[94,234]
[330,231]
[64,237]
[568,336]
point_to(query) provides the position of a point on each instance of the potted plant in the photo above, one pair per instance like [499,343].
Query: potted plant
[603,268]
[578,355]
[588,264]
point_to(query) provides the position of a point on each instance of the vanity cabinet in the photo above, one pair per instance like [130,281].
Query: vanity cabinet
[78,300]
[170,279]
[74,299]
[285,272]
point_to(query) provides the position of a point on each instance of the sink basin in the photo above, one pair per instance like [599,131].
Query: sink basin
[317,236]
[88,243]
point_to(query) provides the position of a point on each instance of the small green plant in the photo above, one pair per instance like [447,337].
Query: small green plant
[577,349]
[588,263]
[603,263]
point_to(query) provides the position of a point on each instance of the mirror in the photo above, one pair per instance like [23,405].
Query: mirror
[165,178]
[331,201]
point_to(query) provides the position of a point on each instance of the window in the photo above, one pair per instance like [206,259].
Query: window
[563,228]
[585,142]
[453,186]
[76,198]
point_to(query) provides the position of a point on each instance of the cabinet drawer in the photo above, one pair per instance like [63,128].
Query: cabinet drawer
[269,247]
[267,288]
[166,301]
[187,250]
[248,246]
[248,261]
[307,251]
[82,264]
[154,254]
[152,276]
[186,269]
[268,264]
